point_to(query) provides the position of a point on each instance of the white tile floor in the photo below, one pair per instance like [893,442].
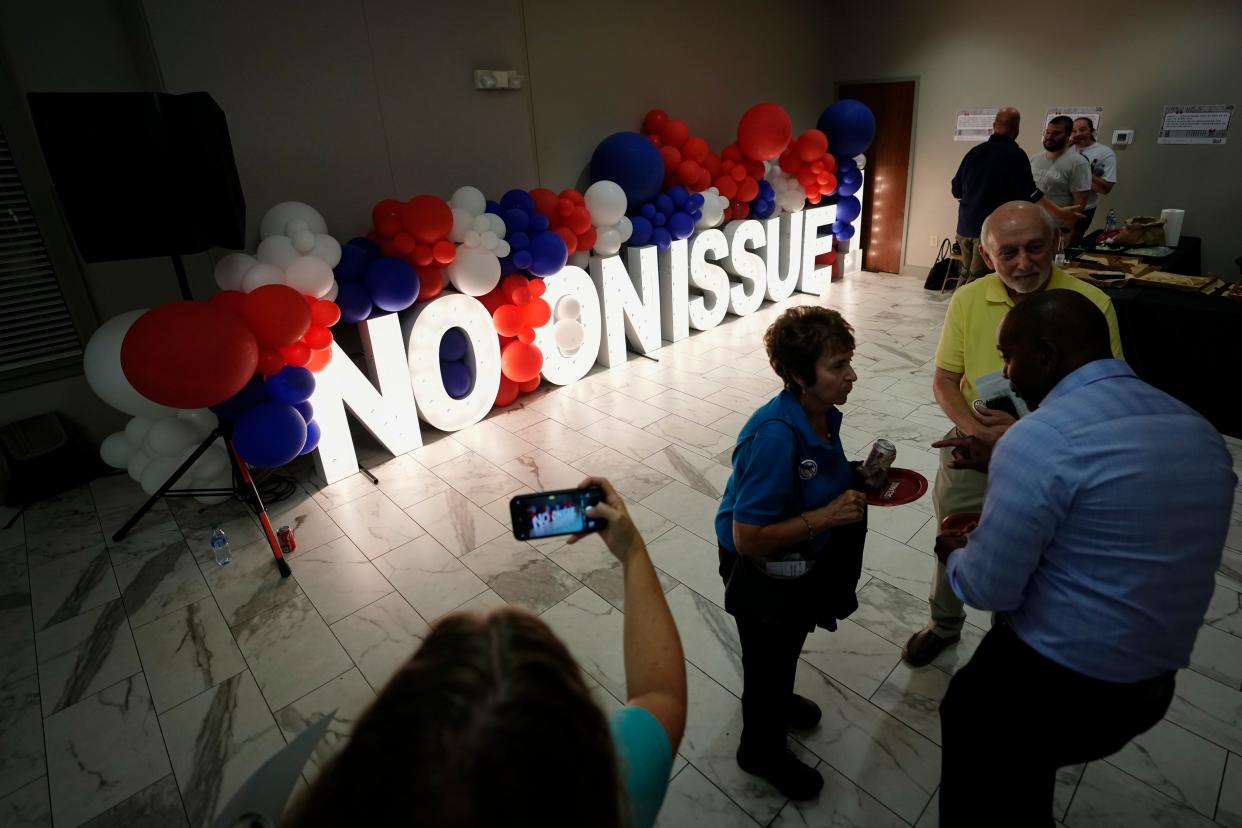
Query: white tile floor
[140,684]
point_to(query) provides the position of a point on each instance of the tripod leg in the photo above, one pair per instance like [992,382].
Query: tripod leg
[256,503]
[168,484]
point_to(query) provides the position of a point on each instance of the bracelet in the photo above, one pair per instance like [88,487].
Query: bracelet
[810,531]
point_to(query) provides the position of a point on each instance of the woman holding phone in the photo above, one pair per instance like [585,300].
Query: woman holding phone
[790,533]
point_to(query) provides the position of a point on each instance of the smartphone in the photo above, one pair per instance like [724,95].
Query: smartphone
[548,514]
[1003,404]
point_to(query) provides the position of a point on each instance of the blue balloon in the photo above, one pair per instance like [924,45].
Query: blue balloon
[659,219]
[522,259]
[393,284]
[493,207]
[763,209]
[680,225]
[548,254]
[453,345]
[516,221]
[679,195]
[641,231]
[664,204]
[849,125]
[848,188]
[538,223]
[848,209]
[695,201]
[270,434]
[647,211]
[253,393]
[519,199]
[353,264]
[845,163]
[518,241]
[354,300]
[312,438]
[842,230]
[632,162]
[456,378]
[290,385]
[851,176]
[661,238]
[696,215]
[306,410]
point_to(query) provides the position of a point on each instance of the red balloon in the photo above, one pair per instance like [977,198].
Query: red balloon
[537,313]
[444,252]
[270,362]
[812,144]
[702,182]
[537,287]
[587,240]
[826,258]
[817,167]
[563,208]
[754,168]
[493,299]
[190,354]
[675,133]
[688,172]
[423,255]
[530,385]
[764,131]
[569,237]
[229,300]
[726,186]
[508,320]
[325,312]
[427,218]
[830,164]
[318,337]
[521,296]
[389,208]
[740,210]
[655,139]
[748,189]
[790,162]
[511,283]
[389,227]
[508,391]
[521,362]
[545,200]
[695,149]
[430,283]
[297,354]
[731,153]
[386,248]
[738,173]
[828,186]
[526,335]
[319,359]
[573,195]
[655,120]
[578,220]
[805,177]
[404,243]
[712,164]
[276,314]
[671,156]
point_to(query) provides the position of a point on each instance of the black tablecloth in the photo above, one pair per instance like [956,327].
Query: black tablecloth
[1184,260]
[1186,344]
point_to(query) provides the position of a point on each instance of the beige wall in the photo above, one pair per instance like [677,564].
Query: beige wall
[1131,58]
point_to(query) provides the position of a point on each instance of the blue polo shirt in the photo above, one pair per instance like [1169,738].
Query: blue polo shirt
[993,173]
[782,468]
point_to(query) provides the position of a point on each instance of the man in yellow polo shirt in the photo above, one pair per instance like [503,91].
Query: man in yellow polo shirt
[1018,243]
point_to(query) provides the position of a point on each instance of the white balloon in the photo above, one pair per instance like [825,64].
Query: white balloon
[137,428]
[157,472]
[230,270]
[568,307]
[309,275]
[496,224]
[470,199]
[861,161]
[568,335]
[296,226]
[262,274]
[502,248]
[712,211]
[275,222]
[101,363]
[277,251]
[606,201]
[580,259]
[488,239]
[212,465]
[331,294]
[303,241]
[138,462]
[116,449]
[463,222]
[474,271]
[473,239]
[170,437]
[624,229]
[607,242]
[326,249]
[202,419]
[481,224]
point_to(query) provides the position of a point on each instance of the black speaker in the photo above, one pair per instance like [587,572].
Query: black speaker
[141,174]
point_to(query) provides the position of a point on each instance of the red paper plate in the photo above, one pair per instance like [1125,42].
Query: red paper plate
[959,524]
[902,486]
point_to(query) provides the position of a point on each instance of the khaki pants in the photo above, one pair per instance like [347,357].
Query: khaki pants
[972,258]
[956,491]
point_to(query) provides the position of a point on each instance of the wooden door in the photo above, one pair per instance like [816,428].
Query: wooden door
[887,173]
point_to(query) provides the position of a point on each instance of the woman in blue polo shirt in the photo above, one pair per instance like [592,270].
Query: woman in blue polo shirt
[789,488]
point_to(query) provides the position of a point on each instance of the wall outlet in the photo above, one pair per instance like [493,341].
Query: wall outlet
[935,242]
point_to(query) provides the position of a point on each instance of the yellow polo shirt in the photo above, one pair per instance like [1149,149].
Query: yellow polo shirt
[968,339]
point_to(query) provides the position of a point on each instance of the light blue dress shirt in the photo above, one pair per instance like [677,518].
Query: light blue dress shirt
[1104,520]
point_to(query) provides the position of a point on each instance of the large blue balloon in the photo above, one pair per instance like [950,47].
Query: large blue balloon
[456,377]
[842,230]
[519,200]
[848,209]
[269,435]
[632,162]
[291,385]
[850,127]
[354,300]
[453,345]
[353,263]
[548,254]
[393,284]
[306,410]
[253,393]
[312,437]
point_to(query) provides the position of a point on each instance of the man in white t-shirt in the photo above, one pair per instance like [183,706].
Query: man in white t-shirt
[1062,174]
[1103,163]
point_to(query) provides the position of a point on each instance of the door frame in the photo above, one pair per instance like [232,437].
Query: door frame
[914,132]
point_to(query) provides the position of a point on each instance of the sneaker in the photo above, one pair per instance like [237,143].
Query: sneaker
[788,774]
[924,646]
[804,714]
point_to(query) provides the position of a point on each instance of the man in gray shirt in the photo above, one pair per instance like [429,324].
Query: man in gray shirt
[1062,174]
[1103,169]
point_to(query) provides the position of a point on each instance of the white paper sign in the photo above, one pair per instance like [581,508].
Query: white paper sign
[1091,113]
[974,124]
[1203,124]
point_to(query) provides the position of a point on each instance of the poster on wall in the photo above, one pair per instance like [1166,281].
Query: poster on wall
[974,124]
[1091,113]
[1201,124]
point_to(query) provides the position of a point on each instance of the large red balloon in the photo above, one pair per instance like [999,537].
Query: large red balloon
[231,300]
[508,320]
[811,145]
[764,131]
[521,362]
[536,313]
[427,218]
[508,391]
[190,354]
[276,314]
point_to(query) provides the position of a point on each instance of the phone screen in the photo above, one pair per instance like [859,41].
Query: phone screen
[547,514]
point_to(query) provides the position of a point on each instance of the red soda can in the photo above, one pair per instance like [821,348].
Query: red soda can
[284,536]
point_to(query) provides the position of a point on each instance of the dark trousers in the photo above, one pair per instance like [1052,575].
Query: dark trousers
[769,661]
[1011,717]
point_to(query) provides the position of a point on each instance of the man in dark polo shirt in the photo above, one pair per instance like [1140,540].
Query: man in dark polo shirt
[995,173]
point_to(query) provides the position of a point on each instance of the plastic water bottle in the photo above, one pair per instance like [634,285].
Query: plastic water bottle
[220,547]
[1110,221]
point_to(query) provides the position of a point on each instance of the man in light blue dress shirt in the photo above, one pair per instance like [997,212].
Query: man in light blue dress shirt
[1102,527]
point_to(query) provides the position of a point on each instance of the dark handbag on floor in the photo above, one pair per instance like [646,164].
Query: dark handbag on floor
[944,268]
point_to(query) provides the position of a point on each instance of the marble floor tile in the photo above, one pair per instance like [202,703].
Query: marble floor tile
[81,656]
[1225,611]
[491,442]
[240,532]
[624,438]
[699,473]
[519,574]
[164,582]
[852,655]
[337,494]
[216,740]
[514,418]
[957,656]
[1229,809]
[27,807]
[889,612]
[681,401]
[590,562]
[760,386]
[157,804]
[346,697]
[338,579]
[1209,709]
[21,722]
[311,525]
[250,584]
[439,450]
[432,579]
[626,409]
[730,424]
[191,515]
[738,401]
[559,440]
[1228,575]
[591,628]
[70,585]
[709,637]
[1109,798]
[564,409]
[898,564]
[147,538]
[541,472]
[691,560]
[691,435]
[627,382]
[455,522]
[186,652]
[686,507]
[1177,763]
[482,604]
[405,481]
[103,750]
[684,382]
[381,637]
[913,696]
[691,799]
[633,479]
[17,650]
[901,523]
[1218,655]
[375,524]
[290,650]
[588,388]
[840,803]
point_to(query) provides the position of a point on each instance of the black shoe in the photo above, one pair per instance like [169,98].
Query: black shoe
[804,714]
[792,777]
[924,646]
